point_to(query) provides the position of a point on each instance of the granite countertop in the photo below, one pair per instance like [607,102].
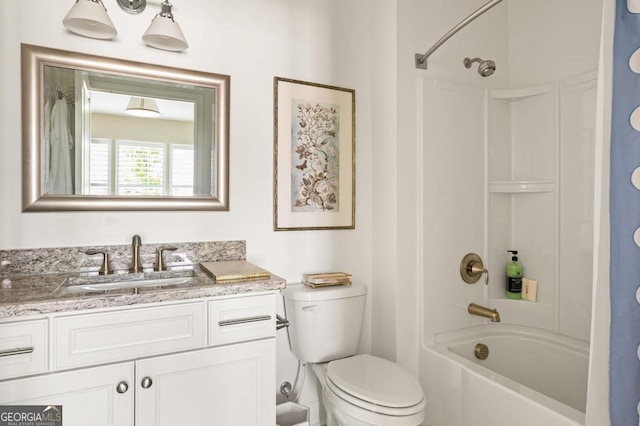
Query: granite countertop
[34,294]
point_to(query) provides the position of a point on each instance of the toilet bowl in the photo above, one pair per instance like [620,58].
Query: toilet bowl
[325,327]
[366,390]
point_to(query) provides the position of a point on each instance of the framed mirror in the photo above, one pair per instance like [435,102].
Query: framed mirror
[108,134]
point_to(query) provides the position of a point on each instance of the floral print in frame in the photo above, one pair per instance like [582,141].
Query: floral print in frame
[314,147]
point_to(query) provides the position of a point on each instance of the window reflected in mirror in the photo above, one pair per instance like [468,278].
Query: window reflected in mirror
[127,167]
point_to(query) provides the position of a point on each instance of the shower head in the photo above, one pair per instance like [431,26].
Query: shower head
[485,68]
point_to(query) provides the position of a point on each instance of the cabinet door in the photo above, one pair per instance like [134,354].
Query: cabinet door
[88,397]
[226,385]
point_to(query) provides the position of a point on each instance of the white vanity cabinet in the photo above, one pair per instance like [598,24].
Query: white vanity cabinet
[88,396]
[226,385]
[203,362]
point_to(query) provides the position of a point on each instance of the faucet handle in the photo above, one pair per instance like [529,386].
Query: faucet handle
[471,269]
[105,268]
[160,266]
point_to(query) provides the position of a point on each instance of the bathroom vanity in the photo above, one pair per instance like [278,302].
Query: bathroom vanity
[196,354]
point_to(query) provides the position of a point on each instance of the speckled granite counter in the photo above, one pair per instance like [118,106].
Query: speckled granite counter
[26,290]
[35,295]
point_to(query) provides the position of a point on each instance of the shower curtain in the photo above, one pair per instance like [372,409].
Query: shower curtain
[624,349]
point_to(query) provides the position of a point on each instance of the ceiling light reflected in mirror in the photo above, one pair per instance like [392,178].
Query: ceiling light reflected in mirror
[116,104]
[142,107]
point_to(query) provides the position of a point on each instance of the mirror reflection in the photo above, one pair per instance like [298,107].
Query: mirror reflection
[117,135]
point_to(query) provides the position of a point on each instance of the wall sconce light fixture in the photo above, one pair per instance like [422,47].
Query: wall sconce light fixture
[165,33]
[89,18]
[143,107]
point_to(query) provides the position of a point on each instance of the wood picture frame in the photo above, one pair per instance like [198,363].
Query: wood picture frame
[314,156]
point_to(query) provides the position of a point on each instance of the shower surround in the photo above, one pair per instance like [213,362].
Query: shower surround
[504,162]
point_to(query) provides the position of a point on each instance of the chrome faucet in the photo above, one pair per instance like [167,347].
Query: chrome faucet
[481,311]
[136,264]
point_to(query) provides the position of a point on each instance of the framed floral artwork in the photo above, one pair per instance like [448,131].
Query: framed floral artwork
[314,156]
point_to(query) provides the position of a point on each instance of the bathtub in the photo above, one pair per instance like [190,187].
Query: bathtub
[530,378]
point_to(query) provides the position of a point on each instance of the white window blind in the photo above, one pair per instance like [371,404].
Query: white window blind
[100,167]
[181,170]
[140,168]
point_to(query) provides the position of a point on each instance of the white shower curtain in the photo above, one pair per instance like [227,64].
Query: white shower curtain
[61,143]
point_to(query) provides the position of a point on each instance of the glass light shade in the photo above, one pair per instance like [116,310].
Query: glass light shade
[89,18]
[143,107]
[164,33]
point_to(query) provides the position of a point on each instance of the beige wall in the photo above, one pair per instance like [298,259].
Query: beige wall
[141,129]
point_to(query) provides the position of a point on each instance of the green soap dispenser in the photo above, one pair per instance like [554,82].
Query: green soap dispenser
[514,277]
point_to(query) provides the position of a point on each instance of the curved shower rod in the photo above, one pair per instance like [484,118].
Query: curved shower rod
[421,60]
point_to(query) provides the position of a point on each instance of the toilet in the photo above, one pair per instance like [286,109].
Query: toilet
[325,326]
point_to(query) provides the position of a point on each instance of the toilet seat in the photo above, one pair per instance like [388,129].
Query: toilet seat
[375,384]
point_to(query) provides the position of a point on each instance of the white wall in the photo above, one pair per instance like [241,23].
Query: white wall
[543,47]
[324,41]
[384,211]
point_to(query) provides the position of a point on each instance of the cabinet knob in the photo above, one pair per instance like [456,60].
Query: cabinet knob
[122,387]
[146,382]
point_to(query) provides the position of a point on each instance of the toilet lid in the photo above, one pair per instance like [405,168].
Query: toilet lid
[375,380]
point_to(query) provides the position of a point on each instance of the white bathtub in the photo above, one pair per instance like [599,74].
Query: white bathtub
[530,378]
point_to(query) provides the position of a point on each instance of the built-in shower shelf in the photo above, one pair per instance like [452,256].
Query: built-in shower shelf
[517,94]
[521,186]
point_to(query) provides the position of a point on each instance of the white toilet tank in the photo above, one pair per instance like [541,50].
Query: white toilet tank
[325,323]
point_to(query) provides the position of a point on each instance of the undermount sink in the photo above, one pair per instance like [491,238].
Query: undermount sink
[77,285]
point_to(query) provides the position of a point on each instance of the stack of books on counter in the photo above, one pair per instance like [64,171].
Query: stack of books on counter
[229,271]
[325,279]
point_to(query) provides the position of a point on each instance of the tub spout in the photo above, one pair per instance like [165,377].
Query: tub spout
[481,311]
